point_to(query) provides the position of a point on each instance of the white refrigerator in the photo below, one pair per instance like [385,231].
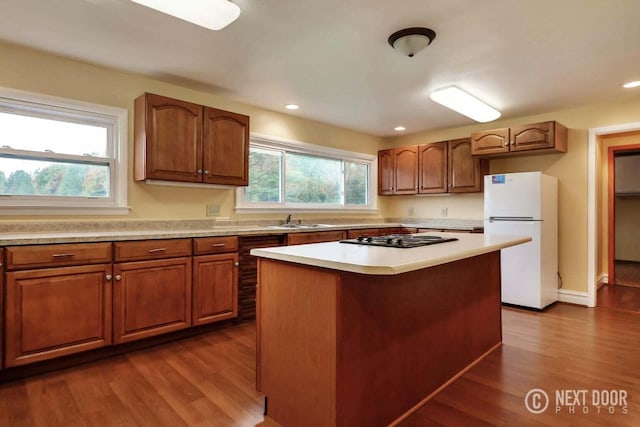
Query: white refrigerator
[525,204]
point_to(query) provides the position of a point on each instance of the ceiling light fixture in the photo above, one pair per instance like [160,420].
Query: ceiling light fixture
[291,106]
[631,84]
[411,40]
[460,101]
[399,128]
[211,14]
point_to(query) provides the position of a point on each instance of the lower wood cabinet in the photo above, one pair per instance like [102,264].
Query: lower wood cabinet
[315,237]
[215,288]
[151,298]
[56,311]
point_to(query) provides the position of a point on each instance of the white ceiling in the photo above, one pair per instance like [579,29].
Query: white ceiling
[332,56]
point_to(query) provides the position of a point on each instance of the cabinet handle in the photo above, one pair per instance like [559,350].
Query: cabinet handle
[118,277]
[108,277]
[62,255]
[218,245]
[153,251]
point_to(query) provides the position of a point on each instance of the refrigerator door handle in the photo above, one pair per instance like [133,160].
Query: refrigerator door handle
[511,218]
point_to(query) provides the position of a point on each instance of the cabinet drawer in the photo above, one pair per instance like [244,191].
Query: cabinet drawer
[23,257]
[316,237]
[364,232]
[215,245]
[151,249]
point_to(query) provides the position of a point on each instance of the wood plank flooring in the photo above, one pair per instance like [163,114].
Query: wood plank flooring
[627,273]
[619,297]
[209,380]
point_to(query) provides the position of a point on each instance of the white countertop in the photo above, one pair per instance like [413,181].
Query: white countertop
[386,261]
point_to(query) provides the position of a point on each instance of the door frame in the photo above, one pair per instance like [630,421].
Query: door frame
[592,207]
[611,195]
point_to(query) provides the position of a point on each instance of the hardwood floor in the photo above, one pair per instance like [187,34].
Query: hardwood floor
[619,297]
[209,380]
[627,273]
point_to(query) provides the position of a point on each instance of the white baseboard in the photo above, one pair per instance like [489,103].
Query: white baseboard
[603,279]
[573,297]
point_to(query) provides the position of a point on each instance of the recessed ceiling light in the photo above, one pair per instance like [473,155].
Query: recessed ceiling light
[631,84]
[399,128]
[460,101]
[291,106]
[211,14]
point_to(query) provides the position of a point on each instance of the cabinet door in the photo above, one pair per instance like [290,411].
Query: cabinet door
[56,311]
[151,298]
[215,288]
[385,172]
[168,139]
[364,232]
[315,237]
[433,168]
[465,171]
[536,136]
[406,170]
[490,142]
[226,147]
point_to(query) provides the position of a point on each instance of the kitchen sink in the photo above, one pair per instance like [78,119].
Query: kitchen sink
[298,226]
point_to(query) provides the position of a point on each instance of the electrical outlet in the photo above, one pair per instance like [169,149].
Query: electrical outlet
[213,210]
[411,212]
[444,212]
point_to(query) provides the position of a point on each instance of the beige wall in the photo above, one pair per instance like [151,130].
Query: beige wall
[39,72]
[570,169]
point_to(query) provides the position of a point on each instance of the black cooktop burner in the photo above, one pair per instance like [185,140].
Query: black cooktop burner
[399,240]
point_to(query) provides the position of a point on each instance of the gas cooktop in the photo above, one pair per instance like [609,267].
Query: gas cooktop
[399,240]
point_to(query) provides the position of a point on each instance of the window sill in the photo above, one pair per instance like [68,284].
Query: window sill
[292,209]
[63,210]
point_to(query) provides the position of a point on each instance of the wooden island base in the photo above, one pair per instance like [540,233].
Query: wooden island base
[344,349]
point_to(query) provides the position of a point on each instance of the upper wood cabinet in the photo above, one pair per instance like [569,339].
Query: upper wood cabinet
[437,167]
[466,173]
[433,168]
[385,172]
[542,137]
[181,141]
[398,171]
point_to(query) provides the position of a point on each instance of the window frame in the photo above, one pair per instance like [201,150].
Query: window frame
[50,107]
[291,146]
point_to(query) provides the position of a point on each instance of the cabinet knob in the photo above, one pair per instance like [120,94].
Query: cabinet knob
[108,277]
[118,277]
[200,171]
[237,264]
[206,172]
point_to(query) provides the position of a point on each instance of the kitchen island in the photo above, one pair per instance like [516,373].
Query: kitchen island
[354,335]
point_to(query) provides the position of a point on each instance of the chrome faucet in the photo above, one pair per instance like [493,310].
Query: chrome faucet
[288,221]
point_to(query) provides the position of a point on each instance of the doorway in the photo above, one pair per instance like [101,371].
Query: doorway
[623,194]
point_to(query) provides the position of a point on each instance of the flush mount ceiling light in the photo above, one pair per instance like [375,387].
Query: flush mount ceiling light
[411,40]
[291,106]
[631,84]
[211,14]
[460,101]
[399,128]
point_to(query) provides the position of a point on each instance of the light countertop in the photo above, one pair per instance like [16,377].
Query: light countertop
[67,233]
[387,261]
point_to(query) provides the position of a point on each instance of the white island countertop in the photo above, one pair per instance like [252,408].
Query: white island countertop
[386,261]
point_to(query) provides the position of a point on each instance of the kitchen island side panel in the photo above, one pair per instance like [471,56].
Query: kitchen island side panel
[342,349]
[296,360]
[402,337]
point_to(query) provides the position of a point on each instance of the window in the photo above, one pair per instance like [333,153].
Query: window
[61,156]
[293,175]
